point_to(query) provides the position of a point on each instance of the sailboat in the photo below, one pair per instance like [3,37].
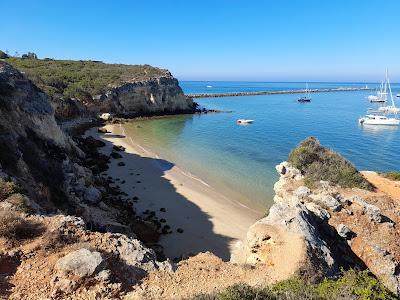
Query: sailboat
[306,97]
[380,96]
[378,117]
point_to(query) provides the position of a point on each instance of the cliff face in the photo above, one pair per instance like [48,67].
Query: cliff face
[161,95]
[32,146]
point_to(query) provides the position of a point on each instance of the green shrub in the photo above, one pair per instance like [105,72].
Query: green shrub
[351,285]
[80,79]
[392,176]
[319,163]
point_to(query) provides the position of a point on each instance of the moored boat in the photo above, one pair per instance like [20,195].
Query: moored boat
[378,116]
[378,120]
[306,97]
[244,121]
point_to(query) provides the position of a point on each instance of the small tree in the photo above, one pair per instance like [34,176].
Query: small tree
[29,55]
[3,55]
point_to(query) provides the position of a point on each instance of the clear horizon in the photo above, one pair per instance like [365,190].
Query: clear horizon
[295,41]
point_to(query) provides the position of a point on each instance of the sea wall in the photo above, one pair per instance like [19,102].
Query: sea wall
[237,94]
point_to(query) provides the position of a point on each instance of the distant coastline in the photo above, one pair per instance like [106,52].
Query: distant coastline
[237,94]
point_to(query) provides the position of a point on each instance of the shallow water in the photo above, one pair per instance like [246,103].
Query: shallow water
[241,159]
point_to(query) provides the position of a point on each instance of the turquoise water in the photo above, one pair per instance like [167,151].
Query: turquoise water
[242,159]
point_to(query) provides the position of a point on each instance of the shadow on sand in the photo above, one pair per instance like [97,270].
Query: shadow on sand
[144,178]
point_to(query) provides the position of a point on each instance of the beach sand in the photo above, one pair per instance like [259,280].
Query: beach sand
[210,221]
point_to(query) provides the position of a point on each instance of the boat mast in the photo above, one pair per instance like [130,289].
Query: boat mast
[391,95]
[308,94]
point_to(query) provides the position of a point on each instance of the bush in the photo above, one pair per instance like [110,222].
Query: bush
[7,188]
[15,227]
[319,163]
[351,285]
[20,202]
[392,176]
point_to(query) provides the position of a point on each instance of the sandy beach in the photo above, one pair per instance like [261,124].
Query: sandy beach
[210,221]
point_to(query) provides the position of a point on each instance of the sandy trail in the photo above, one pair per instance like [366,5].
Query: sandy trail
[383,185]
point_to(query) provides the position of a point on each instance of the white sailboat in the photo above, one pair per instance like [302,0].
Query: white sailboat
[380,96]
[381,118]
[306,97]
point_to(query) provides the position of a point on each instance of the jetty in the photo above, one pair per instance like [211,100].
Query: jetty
[237,94]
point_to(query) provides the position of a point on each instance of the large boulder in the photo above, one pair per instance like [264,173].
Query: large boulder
[82,263]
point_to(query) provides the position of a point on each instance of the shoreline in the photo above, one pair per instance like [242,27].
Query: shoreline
[210,221]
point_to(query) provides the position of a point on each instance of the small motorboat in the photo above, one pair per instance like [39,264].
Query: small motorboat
[304,99]
[244,121]
[398,95]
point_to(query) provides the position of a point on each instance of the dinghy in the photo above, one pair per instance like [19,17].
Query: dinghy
[244,121]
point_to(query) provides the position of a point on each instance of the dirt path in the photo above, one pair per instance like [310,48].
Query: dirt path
[384,185]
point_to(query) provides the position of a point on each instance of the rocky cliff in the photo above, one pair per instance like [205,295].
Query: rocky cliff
[44,177]
[85,88]
[161,95]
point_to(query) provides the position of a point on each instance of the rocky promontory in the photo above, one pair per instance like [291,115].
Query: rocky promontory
[320,230]
[154,96]
[84,89]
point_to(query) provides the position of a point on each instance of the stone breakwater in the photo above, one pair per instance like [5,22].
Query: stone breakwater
[317,232]
[237,94]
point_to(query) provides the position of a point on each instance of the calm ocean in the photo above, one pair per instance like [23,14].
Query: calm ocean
[241,159]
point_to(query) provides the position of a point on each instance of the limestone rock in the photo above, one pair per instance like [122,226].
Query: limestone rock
[302,192]
[373,212]
[156,95]
[320,212]
[327,201]
[92,195]
[82,263]
[287,227]
[344,231]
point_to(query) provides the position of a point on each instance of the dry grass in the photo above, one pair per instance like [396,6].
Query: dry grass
[16,228]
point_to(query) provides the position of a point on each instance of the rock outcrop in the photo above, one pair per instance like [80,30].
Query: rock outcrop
[317,232]
[161,95]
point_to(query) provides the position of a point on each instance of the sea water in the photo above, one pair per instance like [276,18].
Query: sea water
[240,159]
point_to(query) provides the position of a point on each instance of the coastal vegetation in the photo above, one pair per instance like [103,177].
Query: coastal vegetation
[392,176]
[351,285]
[78,79]
[319,163]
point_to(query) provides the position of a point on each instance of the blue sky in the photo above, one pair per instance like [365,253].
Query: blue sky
[342,40]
